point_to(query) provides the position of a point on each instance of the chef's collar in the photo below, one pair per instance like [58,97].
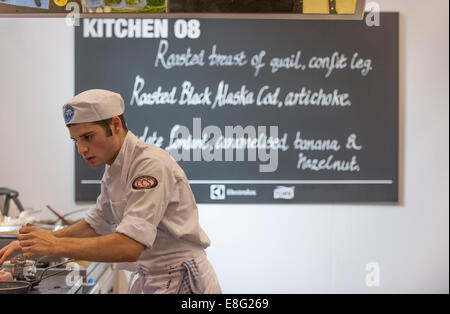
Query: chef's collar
[126,149]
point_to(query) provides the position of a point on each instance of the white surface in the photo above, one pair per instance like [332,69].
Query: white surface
[263,248]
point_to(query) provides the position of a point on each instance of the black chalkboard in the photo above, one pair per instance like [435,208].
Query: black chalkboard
[330,89]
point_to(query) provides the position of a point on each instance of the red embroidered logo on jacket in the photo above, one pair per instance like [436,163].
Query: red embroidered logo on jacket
[144,182]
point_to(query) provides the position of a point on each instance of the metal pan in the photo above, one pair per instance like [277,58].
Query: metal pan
[14,287]
[22,287]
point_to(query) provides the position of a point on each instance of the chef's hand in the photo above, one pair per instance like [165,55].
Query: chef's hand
[35,241]
[6,251]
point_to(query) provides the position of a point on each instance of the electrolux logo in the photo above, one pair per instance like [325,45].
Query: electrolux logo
[246,192]
[217,192]
[220,192]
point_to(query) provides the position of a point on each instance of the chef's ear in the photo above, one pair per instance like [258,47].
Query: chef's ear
[116,125]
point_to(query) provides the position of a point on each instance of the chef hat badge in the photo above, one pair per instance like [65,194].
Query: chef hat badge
[93,105]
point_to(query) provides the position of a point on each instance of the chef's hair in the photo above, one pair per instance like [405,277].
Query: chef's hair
[105,124]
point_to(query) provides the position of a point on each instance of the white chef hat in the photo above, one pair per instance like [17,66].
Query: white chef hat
[93,105]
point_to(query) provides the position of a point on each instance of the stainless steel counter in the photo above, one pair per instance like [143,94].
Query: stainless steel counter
[97,278]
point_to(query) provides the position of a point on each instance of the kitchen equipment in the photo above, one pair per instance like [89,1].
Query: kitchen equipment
[22,286]
[64,220]
[22,268]
[10,195]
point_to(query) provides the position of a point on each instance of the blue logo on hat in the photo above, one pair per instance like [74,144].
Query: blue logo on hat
[68,113]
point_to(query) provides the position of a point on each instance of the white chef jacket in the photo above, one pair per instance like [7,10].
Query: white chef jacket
[162,216]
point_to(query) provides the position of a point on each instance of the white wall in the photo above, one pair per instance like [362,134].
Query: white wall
[263,248]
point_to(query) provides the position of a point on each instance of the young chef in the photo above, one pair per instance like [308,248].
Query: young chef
[145,217]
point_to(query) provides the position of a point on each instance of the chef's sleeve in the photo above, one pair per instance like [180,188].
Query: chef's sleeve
[147,198]
[99,216]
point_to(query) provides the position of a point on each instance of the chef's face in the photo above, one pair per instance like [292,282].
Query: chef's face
[94,145]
